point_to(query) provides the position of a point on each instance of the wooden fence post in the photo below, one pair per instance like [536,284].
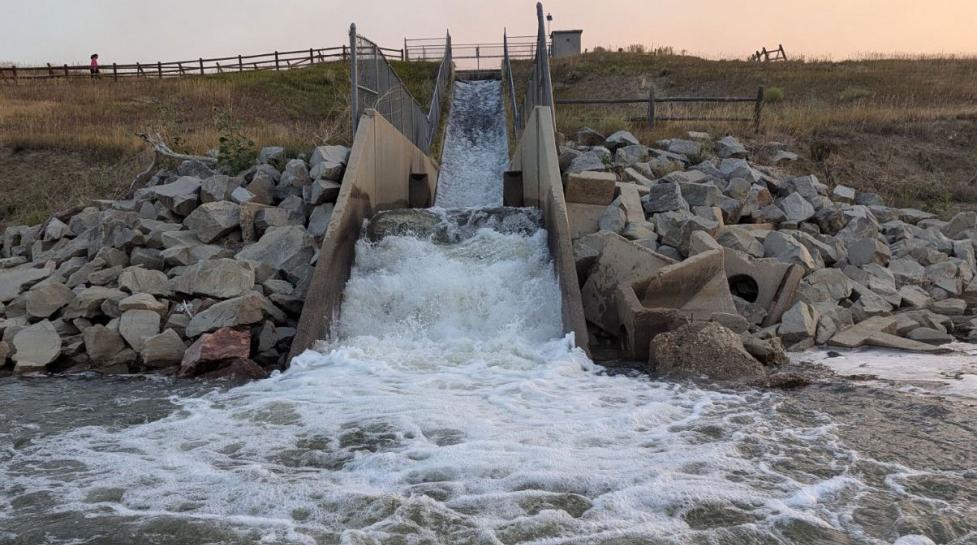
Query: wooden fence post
[115,72]
[276,61]
[50,70]
[14,70]
[138,69]
[783,53]
[240,64]
[651,106]
[758,109]
[344,52]
[159,69]
[66,71]
[201,66]
[311,57]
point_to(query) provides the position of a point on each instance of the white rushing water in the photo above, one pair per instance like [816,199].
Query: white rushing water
[475,147]
[450,410]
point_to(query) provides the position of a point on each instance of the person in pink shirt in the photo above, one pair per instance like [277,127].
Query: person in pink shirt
[94,66]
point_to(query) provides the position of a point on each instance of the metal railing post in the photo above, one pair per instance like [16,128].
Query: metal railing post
[354,77]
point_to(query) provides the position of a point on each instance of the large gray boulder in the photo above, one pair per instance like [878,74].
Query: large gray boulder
[620,139]
[214,220]
[218,188]
[181,196]
[319,219]
[140,280]
[14,281]
[45,299]
[676,228]
[136,326]
[271,154]
[664,197]
[281,248]
[220,278]
[868,250]
[589,137]
[796,208]
[102,344]
[741,240]
[703,349]
[588,161]
[244,310]
[296,174]
[701,194]
[88,302]
[730,146]
[799,323]
[37,345]
[787,249]
[959,224]
[163,350]
[334,154]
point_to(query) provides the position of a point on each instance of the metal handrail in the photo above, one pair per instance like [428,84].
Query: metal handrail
[509,82]
[445,75]
[539,91]
[376,85]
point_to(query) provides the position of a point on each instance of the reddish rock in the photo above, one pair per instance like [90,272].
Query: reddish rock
[212,349]
[238,369]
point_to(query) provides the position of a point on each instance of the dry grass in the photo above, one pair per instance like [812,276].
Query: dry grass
[905,127]
[63,143]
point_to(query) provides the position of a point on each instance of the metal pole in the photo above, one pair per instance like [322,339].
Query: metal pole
[354,102]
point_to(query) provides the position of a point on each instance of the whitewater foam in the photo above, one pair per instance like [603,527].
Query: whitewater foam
[449,410]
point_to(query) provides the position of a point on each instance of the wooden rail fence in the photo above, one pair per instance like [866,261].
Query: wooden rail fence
[278,60]
[652,99]
[765,55]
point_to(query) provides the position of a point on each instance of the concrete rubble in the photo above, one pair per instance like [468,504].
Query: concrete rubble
[779,261]
[192,263]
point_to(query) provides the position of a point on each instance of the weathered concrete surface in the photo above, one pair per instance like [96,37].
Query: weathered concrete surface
[377,178]
[880,331]
[536,156]
[775,283]
[621,261]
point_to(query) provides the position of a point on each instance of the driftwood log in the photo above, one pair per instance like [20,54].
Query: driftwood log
[163,153]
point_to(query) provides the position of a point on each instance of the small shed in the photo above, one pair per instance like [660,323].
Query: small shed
[566,43]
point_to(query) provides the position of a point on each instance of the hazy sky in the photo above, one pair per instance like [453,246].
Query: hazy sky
[34,31]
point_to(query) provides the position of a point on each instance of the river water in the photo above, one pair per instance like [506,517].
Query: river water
[451,410]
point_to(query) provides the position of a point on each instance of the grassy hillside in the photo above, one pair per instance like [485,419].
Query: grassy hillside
[62,143]
[904,127]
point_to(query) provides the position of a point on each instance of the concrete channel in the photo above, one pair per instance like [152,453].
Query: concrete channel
[386,171]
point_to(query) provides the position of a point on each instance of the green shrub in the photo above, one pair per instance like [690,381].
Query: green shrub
[236,151]
[773,94]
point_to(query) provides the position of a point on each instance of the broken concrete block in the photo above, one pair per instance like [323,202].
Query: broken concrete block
[584,218]
[620,261]
[768,283]
[590,187]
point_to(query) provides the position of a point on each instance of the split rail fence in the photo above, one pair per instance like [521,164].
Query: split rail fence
[277,60]
[771,55]
[652,100]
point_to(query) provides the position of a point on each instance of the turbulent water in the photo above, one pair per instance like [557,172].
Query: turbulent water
[475,147]
[451,410]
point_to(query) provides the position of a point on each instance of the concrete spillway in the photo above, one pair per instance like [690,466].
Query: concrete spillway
[475,149]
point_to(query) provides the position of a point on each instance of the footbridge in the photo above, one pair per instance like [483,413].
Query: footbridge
[391,166]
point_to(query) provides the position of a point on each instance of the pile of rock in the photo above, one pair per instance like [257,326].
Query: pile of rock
[800,263]
[198,273]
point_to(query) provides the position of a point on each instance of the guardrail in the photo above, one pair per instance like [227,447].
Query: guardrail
[651,100]
[375,85]
[277,60]
[508,81]
[520,47]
